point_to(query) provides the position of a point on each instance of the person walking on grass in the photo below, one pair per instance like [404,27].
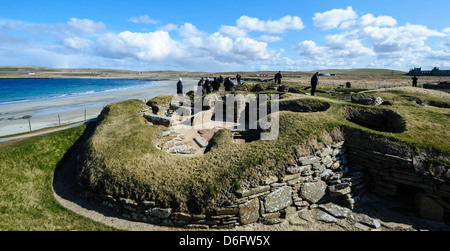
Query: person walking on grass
[314,83]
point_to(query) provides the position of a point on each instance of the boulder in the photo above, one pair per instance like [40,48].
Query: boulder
[279,199]
[249,212]
[320,215]
[313,191]
[158,120]
[336,211]
[366,99]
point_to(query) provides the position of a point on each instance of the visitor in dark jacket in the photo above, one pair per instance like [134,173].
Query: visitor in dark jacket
[314,83]
[215,85]
[278,78]
[228,85]
[180,86]
[208,85]
[238,78]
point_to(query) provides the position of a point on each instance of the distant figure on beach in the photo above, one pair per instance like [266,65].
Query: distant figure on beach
[228,85]
[314,83]
[208,85]
[278,78]
[414,83]
[348,85]
[215,85]
[180,86]
[238,78]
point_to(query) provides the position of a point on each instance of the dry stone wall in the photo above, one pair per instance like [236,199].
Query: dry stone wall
[323,177]
[328,184]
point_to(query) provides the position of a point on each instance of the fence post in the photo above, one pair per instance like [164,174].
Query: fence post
[59,119]
[29,123]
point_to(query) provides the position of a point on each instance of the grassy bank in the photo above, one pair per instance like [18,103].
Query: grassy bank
[123,161]
[26,196]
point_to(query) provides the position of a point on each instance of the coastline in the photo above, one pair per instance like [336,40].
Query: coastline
[15,118]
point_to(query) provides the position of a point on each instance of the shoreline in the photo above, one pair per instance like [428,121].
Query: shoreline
[15,118]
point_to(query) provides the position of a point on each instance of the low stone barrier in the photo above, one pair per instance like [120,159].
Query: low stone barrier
[328,185]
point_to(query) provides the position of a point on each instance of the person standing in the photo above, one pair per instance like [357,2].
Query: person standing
[215,85]
[314,83]
[238,78]
[180,86]
[208,85]
[414,83]
[228,85]
[278,78]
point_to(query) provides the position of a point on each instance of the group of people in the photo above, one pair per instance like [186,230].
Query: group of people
[207,86]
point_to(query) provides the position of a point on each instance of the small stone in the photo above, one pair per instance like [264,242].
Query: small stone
[322,216]
[313,191]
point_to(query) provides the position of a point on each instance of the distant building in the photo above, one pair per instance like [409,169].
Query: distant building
[31,73]
[434,72]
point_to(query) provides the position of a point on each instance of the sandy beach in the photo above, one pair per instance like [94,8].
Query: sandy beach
[15,118]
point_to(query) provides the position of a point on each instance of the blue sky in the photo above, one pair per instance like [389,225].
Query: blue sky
[225,35]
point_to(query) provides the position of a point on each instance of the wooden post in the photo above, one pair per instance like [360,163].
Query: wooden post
[29,123]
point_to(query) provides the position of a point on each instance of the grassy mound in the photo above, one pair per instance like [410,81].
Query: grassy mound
[121,160]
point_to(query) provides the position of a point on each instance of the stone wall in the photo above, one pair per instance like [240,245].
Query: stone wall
[315,179]
[335,178]
[389,173]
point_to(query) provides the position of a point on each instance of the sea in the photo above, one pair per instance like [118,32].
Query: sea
[17,91]
[32,104]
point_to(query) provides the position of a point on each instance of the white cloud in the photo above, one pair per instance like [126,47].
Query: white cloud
[78,43]
[189,30]
[145,19]
[85,26]
[278,26]
[270,39]
[370,20]
[148,47]
[232,31]
[332,19]
[168,27]
[310,49]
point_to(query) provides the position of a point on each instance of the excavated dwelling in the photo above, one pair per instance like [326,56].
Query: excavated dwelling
[340,168]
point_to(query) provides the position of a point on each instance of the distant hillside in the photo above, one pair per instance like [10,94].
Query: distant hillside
[361,71]
[44,72]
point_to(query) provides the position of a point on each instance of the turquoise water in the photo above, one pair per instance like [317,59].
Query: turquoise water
[29,90]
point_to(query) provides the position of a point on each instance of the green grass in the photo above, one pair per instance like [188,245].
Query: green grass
[26,196]
[125,163]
